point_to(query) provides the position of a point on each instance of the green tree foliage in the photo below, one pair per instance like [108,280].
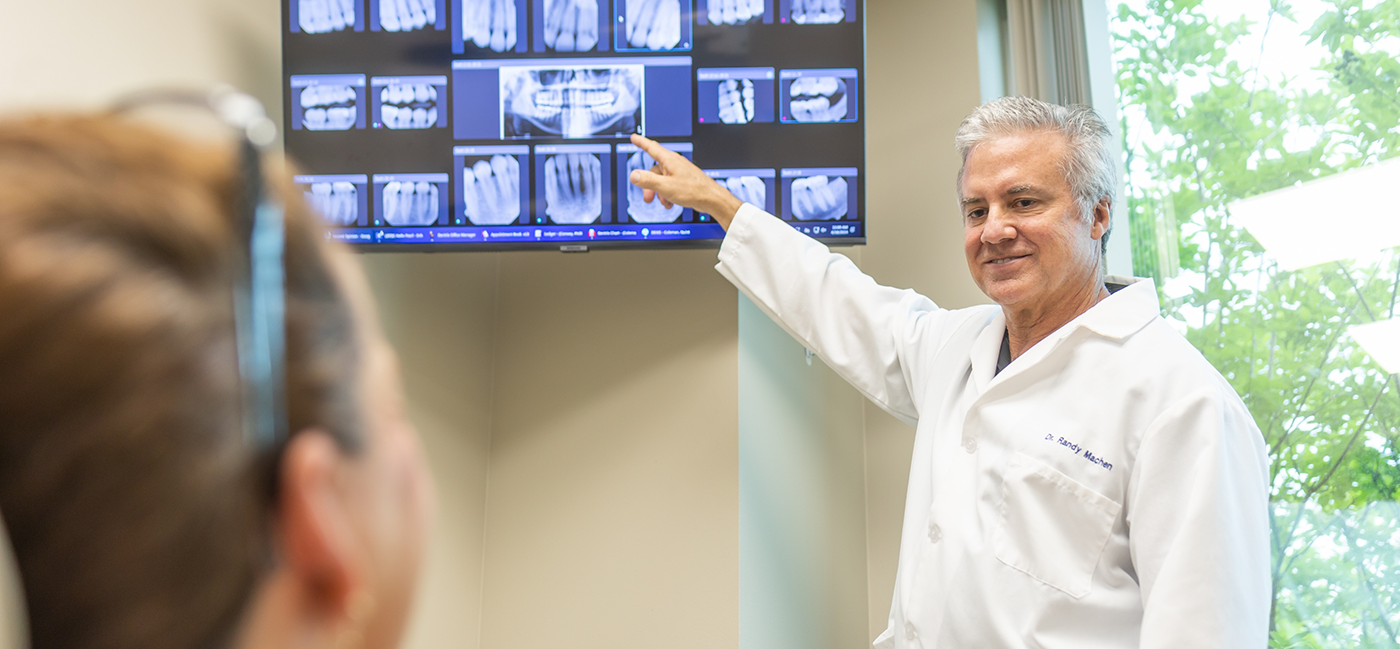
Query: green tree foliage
[1202,130]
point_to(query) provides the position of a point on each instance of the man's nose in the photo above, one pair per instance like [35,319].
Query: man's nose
[998,227]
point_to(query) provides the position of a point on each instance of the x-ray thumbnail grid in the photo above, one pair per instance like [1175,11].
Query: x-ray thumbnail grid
[734,95]
[407,15]
[409,102]
[652,25]
[489,26]
[753,186]
[340,199]
[819,194]
[816,12]
[494,185]
[571,98]
[733,12]
[325,16]
[410,200]
[571,25]
[328,102]
[631,206]
[572,183]
[811,96]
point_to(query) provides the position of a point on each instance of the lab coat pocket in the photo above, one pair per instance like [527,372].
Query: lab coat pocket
[1052,527]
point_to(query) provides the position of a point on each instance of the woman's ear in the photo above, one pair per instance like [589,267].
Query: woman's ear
[321,552]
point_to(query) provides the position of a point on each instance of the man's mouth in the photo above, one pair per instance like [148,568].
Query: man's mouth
[1005,260]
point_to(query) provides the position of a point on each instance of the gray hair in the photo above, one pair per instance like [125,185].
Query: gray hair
[1089,167]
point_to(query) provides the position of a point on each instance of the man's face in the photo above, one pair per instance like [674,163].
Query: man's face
[1027,245]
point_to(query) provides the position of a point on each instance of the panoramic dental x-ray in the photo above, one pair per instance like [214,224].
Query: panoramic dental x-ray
[571,102]
[321,16]
[573,186]
[329,107]
[491,190]
[406,15]
[490,24]
[408,105]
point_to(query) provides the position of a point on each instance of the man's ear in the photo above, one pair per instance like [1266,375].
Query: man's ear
[316,531]
[1103,215]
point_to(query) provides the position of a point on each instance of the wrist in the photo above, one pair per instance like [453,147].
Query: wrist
[724,209]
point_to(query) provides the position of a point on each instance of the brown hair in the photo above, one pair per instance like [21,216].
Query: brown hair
[136,508]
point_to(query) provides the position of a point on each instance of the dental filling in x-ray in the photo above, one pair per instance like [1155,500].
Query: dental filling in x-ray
[653,24]
[736,101]
[637,208]
[410,203]
[406,15]
[337,202]
[321,16]
[571,103]
[408,105]
[328,107]
[819,198]
[818,99]
[492,190]
[817,12]
[749,189]
[571,25]
[573,188]
[490,24]
[734,12]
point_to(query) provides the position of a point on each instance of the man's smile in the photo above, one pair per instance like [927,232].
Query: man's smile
[1007,259]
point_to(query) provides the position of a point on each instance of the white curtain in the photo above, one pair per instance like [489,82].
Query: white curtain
[1049,59]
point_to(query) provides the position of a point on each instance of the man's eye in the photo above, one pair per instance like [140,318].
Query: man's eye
[1024,202]
[976,214]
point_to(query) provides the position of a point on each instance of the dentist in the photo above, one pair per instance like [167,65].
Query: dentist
[1082,476]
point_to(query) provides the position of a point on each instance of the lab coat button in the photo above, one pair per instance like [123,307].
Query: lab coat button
[909,633]
[934,533]
[970,445]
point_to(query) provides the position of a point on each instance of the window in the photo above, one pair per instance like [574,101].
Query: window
[1224,100]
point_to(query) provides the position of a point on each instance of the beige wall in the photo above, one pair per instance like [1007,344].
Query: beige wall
[580,412]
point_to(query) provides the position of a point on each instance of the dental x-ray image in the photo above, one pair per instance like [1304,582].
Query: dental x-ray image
[491,190]
[571,25]
[820,198]
[732,12]
[655,24]
[322,16]
[491,24]
[750,189]
[406,15]
[571,102]
[410,102]
[573,188]
[339,199]
[410,200]
[817,99]
[736,101]
[638,209]
[818,12]
[329,107]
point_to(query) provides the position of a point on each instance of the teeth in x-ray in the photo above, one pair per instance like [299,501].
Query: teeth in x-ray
[818,99]
[409,204]
[408,105]
[736,101]
[320,16]
[749,189]
[818,198]
[816,12]
[637,207]
[573,188]
[328,108]
[492,190]
[338,203]
[572,102]
[654,24]
[406,15]
[491,23]
[734,12]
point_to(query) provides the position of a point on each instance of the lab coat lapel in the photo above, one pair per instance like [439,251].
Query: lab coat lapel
[985,350]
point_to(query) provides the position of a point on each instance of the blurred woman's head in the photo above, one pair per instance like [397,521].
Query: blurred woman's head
[139,515]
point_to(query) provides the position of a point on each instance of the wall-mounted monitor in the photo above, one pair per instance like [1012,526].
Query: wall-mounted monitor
[504,124]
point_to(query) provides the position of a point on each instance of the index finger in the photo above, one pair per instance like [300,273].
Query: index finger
[660,154]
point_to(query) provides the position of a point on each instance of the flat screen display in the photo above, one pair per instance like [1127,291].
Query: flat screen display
[505,124]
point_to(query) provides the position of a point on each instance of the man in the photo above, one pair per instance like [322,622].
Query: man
[1081,476]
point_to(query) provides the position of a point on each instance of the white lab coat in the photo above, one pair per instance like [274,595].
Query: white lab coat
[1107,489]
